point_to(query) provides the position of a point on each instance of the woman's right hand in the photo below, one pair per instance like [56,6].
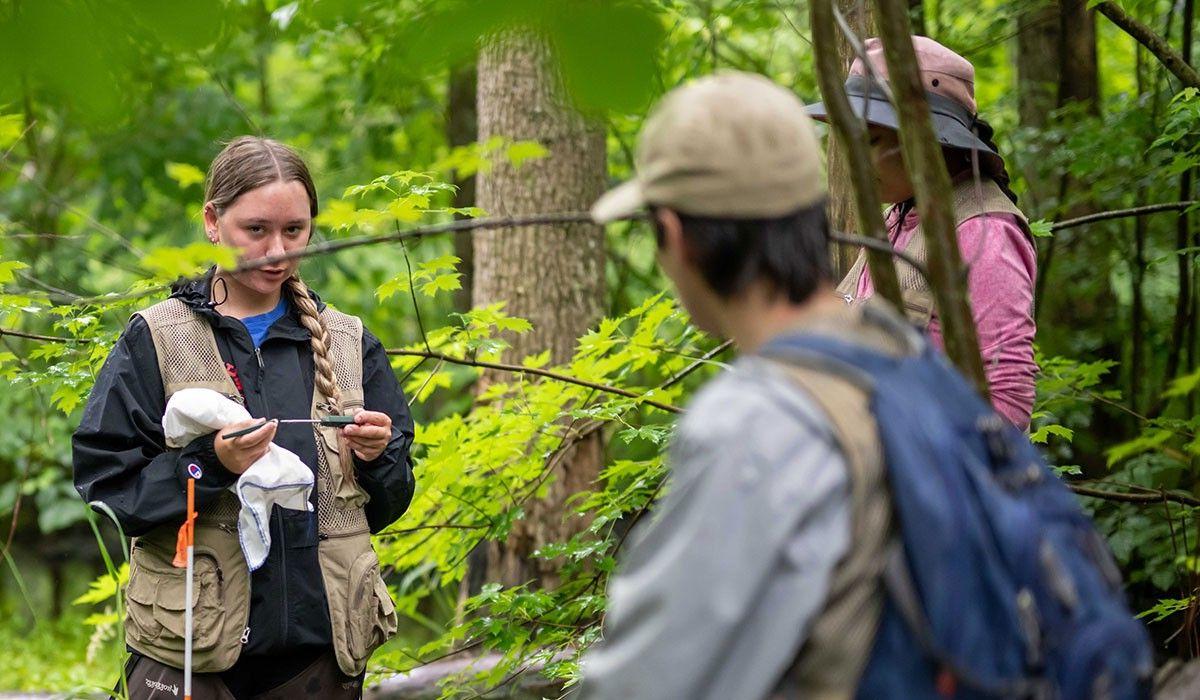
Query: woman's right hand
[238,454]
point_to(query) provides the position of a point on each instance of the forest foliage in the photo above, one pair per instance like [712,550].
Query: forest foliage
[110,111]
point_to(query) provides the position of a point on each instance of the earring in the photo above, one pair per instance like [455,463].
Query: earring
[212,236]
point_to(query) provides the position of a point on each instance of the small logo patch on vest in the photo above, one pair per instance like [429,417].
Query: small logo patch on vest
[194,471]
[158,685]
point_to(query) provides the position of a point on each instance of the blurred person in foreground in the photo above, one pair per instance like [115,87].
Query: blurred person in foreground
[845,516]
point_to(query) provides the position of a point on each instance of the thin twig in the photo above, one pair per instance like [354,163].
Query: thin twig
[422,232]
[1121,213]
[1126,497]
[521,369]
[1155,44]
[43,338]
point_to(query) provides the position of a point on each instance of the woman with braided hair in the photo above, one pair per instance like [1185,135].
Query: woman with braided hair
[304,622]
[993,235]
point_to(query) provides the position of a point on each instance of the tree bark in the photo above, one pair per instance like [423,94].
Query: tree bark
[1038,36]
[842,215]
[551,275]
[1080,80]
[462,129]
[916,13]
[851,134]
[931,187]
[1079,83]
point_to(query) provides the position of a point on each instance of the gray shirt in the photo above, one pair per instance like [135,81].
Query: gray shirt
[714,596]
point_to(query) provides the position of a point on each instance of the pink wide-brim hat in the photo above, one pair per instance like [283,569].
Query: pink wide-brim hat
[949,81]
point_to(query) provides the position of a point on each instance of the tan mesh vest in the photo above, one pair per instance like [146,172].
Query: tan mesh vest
[839,641]
[969,201]
[361,611]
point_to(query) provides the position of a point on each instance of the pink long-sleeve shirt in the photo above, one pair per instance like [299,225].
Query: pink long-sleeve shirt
[1002,267]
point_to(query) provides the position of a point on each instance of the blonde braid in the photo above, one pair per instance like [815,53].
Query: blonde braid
[326,380]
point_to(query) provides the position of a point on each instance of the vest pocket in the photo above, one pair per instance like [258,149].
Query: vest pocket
[371,618]
[156,605]
[346,494]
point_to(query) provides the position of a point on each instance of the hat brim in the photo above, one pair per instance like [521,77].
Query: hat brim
[950,120]
[621,202]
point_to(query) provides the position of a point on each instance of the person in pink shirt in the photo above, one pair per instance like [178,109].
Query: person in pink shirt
[993,234]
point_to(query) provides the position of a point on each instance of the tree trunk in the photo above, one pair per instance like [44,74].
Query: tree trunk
[916,14]
[461,130]
[842,216]
[851,135]
[1079,82]
[551,275]
[931,187]
[1080,79]
[1038,36]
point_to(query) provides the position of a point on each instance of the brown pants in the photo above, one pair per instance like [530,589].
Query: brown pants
[151,680]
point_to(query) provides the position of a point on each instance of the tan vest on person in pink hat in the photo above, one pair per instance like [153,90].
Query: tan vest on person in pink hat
[970,201]
[949,75]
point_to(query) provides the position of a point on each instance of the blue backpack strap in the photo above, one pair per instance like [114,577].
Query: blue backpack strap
[1002,581]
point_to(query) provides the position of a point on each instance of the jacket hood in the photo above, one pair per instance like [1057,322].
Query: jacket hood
[196,291]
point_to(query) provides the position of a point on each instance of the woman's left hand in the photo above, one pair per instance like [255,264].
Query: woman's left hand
[369,435]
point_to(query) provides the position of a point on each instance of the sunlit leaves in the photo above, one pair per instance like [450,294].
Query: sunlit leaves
[11,128]
[8,269]
[430,277]
[480,157]
[167,264]
[186,175]
[405,197]
[1041,228]
[104,587]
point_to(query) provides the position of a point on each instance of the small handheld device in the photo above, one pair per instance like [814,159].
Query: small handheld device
[332,421]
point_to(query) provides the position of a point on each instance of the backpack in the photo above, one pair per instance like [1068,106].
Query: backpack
[998,585]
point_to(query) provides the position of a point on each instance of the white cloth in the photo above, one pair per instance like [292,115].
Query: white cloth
[277,478]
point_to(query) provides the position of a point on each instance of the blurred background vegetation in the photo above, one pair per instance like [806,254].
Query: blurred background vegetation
[110,111]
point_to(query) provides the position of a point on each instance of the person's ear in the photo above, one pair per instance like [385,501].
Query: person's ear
[673,242]
[210,222]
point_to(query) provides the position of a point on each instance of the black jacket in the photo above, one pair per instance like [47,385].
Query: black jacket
[120,458]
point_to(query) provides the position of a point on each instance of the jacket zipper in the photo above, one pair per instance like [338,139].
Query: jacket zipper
[262,374]
[283,580]
[283,545]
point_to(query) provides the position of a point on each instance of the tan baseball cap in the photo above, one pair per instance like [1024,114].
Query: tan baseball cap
[731,145]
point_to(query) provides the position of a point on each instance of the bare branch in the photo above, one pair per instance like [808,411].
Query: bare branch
[1155,44]
[1122,213]
[1127,497]
[422,232]
[520,369]
[43,338]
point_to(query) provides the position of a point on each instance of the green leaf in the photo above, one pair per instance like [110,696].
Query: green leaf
[186,175]
[522,151]
[12,127]
[168,264]
[8,267]
[537,361]
[341,214]
[1041,228]
[1182,386]
[103,587]
[446,282]
[1042,434]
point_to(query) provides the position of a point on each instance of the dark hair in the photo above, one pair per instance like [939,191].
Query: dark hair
[790,253]
[958,160]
